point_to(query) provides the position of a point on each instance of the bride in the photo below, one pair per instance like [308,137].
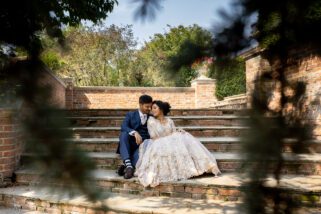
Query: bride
[171,154]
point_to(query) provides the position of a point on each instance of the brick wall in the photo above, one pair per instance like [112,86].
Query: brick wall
[204,92]
[127,97]
[200,95]
[255,65]
[65,95]
[10,142]
[69,93]
[303,65]
[58,87]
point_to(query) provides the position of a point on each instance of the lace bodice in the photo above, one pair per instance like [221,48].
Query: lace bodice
[156,129]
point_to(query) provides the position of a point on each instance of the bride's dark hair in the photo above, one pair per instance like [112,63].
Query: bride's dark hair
[164,106]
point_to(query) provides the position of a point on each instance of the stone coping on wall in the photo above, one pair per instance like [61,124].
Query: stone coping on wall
[45,68]
[203,79]
[251,52]
[157,89]
[238,96]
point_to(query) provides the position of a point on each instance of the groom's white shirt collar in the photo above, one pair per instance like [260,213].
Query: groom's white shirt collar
[141,114]
[143,117]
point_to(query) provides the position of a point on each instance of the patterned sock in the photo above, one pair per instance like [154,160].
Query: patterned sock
[128,163]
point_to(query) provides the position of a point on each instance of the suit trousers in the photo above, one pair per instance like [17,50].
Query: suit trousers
[128,148]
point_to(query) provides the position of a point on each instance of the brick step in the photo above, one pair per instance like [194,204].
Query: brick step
[197,131]
[176,112]
[305,164]
[34,199]
[225,187]
[214,144]
[178,120]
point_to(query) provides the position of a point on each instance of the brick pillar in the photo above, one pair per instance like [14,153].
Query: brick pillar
[69,92]
[255,66]
[10,143]
[204,92]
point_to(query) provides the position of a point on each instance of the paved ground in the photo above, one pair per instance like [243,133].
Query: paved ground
[124,203]
[130,203]
[17,211]
[298,182]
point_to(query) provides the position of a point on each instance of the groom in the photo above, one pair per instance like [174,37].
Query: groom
[133,133]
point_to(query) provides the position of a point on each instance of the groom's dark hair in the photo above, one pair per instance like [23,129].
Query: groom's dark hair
[145,99]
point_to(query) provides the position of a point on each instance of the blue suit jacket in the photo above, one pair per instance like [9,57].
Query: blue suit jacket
[131,122]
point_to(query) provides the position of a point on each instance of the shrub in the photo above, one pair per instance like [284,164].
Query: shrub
[52,60]
[230,77]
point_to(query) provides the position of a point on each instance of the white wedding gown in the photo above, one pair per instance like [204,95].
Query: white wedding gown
[171,155]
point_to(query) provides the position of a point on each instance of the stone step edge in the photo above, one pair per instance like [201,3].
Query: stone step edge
[179,127]
[202,139]
[14,210]
[235,96]
[230,181]
[219,156]
[202,187]
[129,204]
[117,203]
[134,109]
[194,117]
[116,140]
[227,103]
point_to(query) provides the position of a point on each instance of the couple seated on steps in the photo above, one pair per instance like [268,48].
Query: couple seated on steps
[155,151]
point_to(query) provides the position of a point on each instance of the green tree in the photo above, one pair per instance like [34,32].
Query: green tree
[138,72]
[21,23]
[106,60]
[169,55]
[23,20]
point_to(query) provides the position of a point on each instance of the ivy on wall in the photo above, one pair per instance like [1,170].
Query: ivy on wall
[230,77]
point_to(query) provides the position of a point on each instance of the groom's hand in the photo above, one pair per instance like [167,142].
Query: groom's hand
[138,138]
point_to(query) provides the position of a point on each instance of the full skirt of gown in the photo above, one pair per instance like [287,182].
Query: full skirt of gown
[174,157]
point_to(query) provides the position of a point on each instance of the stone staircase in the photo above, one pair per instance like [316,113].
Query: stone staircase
[232,102]
[96,132]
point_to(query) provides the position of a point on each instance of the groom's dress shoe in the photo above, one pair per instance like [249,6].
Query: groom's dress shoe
[121,170]
[129,172]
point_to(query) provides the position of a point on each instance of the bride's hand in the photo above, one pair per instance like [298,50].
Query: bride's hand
[180,130]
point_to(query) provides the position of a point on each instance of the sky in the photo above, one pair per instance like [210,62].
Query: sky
[173,13]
